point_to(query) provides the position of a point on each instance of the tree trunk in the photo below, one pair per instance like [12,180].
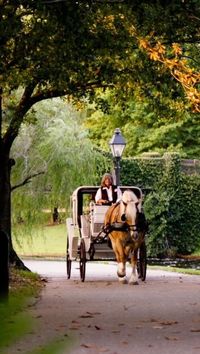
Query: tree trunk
[5,207]
[4,267]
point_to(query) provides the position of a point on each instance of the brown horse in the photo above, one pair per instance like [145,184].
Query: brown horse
[121,221]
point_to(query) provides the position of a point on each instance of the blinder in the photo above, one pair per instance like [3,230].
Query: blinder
[123,217]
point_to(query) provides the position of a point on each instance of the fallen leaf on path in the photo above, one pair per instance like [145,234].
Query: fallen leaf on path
[86,316]
[115,331]
[157,327]
[74,328]
[93,313]
[97,327]
[87,345]
[168,323]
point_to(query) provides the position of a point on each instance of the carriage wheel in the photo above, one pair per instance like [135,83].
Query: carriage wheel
[68,262]
[142,262]
[91,252]
[69,266]
[82,260]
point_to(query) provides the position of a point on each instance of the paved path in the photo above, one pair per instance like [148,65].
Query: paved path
[160,316]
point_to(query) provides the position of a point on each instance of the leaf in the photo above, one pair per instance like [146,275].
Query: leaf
[87,345]
[157,327]
[86,316]
[168,323]
[97,328]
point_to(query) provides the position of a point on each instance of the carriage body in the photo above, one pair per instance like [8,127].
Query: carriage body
[86,239]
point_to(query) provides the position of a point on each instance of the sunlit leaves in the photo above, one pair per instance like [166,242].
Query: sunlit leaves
[179,68]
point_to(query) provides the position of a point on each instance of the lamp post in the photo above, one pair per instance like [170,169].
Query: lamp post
[117,145]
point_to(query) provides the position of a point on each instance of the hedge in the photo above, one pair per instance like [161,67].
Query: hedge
[171,203]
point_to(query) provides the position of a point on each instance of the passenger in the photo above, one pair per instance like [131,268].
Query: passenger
[107,194]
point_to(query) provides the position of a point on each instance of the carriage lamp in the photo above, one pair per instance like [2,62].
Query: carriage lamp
[117,145]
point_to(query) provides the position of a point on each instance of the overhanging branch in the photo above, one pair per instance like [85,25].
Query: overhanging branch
[27,180]
[46,94]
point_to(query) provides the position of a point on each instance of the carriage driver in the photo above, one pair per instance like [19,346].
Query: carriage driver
[107,194]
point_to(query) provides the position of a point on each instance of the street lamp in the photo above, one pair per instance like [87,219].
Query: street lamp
[117,145]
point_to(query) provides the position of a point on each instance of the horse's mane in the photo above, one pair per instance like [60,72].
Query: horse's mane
[129,196]
[128,204]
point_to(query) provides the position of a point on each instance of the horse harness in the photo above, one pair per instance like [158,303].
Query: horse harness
[123,226]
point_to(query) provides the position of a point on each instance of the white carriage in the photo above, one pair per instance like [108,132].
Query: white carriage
[86,238]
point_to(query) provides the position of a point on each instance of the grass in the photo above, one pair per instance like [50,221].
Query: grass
[177,270]
[57,346]
[47,241]
[15,322]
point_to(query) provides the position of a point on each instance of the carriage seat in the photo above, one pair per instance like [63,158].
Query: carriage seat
[97,214]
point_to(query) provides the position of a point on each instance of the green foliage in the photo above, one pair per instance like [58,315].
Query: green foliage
[144,172]
[14,319]
[171,203]
[57,147]
[145,124]
[56,346]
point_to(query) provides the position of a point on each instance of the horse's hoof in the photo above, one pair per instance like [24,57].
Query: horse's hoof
[133,283]
[120,275]
[123,280]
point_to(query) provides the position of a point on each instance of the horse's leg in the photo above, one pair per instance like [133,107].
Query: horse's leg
[134,277]
[121,259]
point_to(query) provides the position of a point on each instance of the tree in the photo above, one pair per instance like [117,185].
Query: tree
[51,50]
[57,48]
[55,155]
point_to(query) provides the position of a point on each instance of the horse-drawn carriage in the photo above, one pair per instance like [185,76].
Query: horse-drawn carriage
[90,238]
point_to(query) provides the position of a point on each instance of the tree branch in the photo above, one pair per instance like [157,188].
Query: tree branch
[27,180]
[15,123]
[42,95]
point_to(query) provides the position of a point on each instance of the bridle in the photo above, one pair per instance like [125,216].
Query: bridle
[131,229]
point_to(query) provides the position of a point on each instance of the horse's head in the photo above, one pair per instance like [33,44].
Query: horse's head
[129,207]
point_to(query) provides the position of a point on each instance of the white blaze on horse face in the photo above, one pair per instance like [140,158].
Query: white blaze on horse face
[128,205]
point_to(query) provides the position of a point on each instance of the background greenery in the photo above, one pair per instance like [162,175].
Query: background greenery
[48,241]
[171,203]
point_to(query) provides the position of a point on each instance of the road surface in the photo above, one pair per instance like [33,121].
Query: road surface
[159,316]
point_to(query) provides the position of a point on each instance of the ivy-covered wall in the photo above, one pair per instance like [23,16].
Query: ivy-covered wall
[171,203]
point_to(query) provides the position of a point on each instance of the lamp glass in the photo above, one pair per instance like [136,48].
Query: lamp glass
[117,149]
[117,143]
